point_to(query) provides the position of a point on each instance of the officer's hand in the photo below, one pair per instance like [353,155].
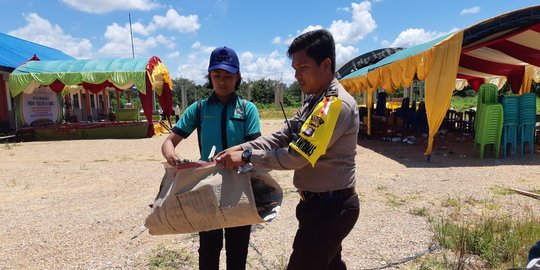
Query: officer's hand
[228,150]
[230,159]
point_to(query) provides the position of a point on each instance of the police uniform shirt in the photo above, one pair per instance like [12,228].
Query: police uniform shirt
[336,168]
[222,125]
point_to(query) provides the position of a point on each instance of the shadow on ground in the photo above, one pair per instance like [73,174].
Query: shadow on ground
[449,150]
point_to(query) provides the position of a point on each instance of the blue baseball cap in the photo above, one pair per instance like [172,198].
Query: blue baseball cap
[224,58]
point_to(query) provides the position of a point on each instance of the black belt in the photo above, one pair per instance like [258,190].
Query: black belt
[334,194]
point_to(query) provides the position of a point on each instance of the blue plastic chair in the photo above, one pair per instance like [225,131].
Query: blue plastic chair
[510,124]
[527,122]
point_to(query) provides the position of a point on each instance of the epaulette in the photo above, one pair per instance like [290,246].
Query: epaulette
[331,92]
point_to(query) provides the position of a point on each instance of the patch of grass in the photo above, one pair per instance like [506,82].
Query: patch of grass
[101,160]
[463,103]
[272,112]
[163,258]
[419,211]
[381,188]
[394,200]
[432,263]
[450,202]
[473,201]
[500,241]
[83,167]
[9,146]
[501,191]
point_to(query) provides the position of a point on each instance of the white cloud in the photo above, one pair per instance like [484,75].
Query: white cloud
[41,31]
[139,28]
[310,28]
[287,41]
[350,32]
[346,33]
[253,67]
[273,66]
[119,43]
[175,54]
[472,10]
[412,37]
[106,6]
[344,54]
[202,49]
[174,21]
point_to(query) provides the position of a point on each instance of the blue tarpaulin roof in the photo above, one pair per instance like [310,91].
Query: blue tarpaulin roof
[15,51]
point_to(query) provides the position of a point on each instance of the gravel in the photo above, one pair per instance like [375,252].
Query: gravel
[76,204]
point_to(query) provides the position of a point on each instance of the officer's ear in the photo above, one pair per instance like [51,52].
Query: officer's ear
[327,64]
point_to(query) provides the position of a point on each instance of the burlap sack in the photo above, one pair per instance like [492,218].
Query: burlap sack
[201,196]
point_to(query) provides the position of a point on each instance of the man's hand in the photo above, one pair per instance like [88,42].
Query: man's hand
[230,158]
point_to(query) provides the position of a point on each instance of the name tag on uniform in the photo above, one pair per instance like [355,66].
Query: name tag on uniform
[317,131]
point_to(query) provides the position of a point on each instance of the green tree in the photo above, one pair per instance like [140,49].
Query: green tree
[193,90]
[262,91]
[292,96]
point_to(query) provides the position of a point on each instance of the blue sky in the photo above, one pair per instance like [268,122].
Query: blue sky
[183,32]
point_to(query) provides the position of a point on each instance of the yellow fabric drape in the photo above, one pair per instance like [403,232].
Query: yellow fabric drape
[408,66]
[369,105]
[396,71]
[373,79]
[440,83]
[386,79]
[437,66]
[527,80]
[424,61]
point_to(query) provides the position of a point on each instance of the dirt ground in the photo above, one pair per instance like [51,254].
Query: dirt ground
[76,204]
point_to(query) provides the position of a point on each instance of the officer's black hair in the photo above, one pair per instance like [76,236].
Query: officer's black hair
[209,84]
[319,45]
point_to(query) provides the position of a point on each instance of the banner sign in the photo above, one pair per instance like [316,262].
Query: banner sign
[40,107]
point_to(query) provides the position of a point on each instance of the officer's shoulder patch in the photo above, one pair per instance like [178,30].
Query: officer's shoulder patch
[332,92]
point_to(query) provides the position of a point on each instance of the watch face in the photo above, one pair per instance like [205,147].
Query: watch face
[246,155]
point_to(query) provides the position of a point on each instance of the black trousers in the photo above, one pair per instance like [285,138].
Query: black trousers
[236,247]
[323,224]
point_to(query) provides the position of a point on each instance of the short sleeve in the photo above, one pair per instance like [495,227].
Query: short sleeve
[187,123]
[252,127]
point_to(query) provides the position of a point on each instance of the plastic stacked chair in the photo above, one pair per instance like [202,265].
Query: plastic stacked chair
[527,121]
[487,95]
[510,123]
[489,128]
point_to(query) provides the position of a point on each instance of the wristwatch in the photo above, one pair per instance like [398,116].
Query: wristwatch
[246,155]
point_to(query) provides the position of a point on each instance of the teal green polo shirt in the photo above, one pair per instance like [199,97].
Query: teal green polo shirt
[222,125]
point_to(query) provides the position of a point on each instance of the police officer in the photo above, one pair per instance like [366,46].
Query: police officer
[320,147]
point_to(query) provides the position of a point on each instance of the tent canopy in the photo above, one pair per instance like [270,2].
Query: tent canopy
[15,51]
[365,59]
[123,73]
[147,75]
[507,45]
